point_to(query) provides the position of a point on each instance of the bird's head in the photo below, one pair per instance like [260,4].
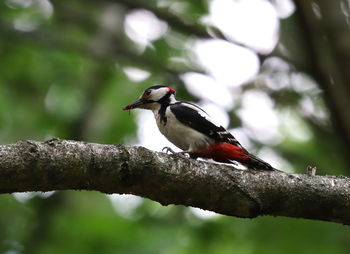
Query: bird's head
[153,97]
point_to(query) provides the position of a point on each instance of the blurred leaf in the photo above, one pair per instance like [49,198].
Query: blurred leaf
[63,75]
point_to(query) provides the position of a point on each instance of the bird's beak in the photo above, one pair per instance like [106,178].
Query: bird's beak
[135,104]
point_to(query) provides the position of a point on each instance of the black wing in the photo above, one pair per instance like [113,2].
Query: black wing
[194,117]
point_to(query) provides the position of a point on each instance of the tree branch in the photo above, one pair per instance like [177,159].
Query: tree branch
[63,164]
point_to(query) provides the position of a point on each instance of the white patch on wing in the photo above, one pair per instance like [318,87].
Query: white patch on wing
[206,116]
[201,112]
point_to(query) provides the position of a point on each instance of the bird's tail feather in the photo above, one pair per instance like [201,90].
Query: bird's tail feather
[257,163]
[228,153]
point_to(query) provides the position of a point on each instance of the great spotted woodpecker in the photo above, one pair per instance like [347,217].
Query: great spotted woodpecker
[189,128]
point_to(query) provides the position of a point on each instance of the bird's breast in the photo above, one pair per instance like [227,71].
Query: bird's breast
[180,135]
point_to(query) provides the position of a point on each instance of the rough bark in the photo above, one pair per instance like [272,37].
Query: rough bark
[170,179]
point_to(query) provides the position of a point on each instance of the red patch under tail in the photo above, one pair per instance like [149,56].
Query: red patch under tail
[224,152]
[227,153]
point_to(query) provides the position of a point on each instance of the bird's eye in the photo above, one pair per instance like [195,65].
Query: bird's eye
[148,92]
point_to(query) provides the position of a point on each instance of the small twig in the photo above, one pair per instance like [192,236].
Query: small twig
[311,171]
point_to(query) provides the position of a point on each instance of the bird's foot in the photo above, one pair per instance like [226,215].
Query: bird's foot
[168,150]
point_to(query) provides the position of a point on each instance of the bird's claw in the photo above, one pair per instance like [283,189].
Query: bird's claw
[167,149]
[171,151]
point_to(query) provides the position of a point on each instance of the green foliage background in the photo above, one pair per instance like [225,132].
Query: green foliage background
[62,75]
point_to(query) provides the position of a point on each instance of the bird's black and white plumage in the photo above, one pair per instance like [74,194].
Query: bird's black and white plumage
[190,128]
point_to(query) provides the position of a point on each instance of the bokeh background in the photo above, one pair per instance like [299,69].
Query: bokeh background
[275,73]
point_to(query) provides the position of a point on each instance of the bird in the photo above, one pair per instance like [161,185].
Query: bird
[191,129]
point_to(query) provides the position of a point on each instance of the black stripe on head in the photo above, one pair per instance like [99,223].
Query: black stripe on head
[160,86]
